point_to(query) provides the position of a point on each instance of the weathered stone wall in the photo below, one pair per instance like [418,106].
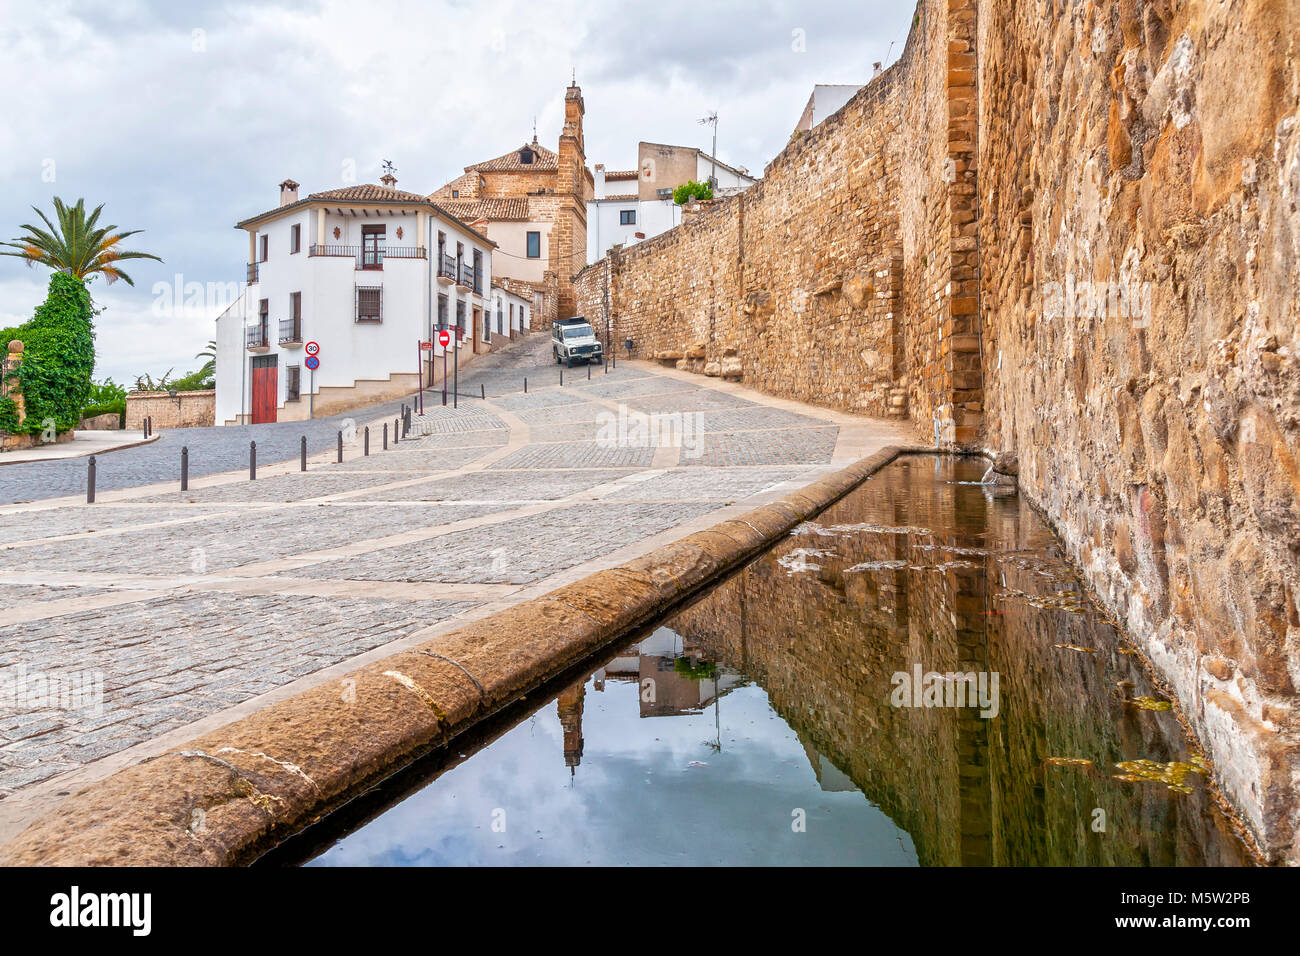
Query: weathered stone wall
[187,410]
[1140,169]
[1067,231]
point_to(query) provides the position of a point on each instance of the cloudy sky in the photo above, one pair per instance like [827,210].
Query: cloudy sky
[182,118]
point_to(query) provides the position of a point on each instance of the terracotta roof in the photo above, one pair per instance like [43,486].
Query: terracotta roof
[622,197]
[513,209]
[366,193]
[544,159]
[620,174]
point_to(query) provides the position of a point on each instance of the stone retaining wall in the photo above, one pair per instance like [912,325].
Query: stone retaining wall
[1068,234]
[186,410]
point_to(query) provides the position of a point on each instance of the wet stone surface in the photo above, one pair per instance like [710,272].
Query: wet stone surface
[766,722]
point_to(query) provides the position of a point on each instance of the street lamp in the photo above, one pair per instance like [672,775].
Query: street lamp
[712,120]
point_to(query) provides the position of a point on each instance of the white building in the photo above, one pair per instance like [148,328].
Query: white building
[633,205]
[826,99]
[367,273]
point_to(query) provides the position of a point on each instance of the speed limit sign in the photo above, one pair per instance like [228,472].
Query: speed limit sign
[311,348]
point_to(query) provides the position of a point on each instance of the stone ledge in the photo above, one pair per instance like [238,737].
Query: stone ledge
[224,797]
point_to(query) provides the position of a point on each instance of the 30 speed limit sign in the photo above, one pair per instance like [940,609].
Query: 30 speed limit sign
[311,348]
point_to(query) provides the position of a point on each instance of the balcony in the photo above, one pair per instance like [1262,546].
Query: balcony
[291,332]
[252,272]
[446,269]
[367,259]
[256,338]
[465,277]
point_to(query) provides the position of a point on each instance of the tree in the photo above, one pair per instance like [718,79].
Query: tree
[77,246]
[209,368]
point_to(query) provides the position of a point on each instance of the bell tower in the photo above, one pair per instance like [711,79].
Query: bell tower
[573,189]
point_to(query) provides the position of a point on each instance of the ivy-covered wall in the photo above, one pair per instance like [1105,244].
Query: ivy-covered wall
[58,359]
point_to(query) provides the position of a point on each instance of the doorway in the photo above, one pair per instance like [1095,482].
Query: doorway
[265,388]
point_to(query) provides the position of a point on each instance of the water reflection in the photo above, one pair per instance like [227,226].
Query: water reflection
[764,724]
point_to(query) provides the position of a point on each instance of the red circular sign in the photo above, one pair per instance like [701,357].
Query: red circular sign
[311,348]
[444,338]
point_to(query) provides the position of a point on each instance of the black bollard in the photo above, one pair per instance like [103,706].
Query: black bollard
[185,468]
[589,370]
[561,378]
[90,481]
[385,436]
[366,442]
[396,429]
[482,391]
[525,384]
[252,461]
[340,447]
[302,453]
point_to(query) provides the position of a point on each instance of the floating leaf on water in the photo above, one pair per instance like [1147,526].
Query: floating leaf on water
[1150,703]
[877,566]
[1172,774]
[1076,647]
[1067,762]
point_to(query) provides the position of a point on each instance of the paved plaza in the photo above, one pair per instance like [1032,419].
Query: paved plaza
[130,625]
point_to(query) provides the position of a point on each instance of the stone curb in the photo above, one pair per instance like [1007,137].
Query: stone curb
[222,798]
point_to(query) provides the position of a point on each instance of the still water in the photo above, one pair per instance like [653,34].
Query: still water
[797,714]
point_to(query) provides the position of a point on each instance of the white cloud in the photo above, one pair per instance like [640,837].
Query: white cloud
[183,143]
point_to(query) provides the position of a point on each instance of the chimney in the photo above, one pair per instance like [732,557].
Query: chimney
[598,174]
[389,180]
[288,192]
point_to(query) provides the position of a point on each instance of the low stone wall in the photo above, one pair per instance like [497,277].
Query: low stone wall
[186,410]
[221,798]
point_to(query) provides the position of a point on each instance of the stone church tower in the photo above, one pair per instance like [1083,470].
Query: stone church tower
[574,185]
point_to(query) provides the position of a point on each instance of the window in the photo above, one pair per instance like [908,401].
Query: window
[627,217]
[455,194]
[444,318]
[478,271]
[372,247]
[460,317]
[526,156]
[291,328]
[534,245]
[663,193]
[295,239]
[261,257]
[512,316]
[370,303]
[501,322]
[292,378]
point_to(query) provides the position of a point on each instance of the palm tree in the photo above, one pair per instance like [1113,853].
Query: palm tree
[76,245]
[209,352]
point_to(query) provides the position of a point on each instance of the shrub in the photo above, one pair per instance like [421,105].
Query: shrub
[58,358]
[692,190]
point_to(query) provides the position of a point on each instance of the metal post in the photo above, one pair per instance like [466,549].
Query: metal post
[252,461]
[482,391]
[455,371]
[525,384]
[302,453]
[396,439]
[185,468]
[589,370]
[385,436]
[340,447]
[366,442]
[561,376]
[90,481]
[444,375]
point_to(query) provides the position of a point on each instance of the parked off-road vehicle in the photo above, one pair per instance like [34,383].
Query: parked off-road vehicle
[575,339]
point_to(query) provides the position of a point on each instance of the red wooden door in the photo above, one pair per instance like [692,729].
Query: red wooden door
[265,389]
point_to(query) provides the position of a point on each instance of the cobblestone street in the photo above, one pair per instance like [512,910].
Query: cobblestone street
[131,624]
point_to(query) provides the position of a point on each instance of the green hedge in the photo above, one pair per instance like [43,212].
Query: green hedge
[58,358]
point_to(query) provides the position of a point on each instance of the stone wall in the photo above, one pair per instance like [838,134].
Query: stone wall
[187,410]
[1140,169]
[1067,232]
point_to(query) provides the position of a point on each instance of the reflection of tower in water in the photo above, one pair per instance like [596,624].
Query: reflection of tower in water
[569,705]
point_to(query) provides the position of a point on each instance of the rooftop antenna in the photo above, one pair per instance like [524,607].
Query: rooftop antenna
[534,129]
[712,120]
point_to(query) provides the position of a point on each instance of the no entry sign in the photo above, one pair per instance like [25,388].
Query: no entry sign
[311,348]
[312,362]
[444,338]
